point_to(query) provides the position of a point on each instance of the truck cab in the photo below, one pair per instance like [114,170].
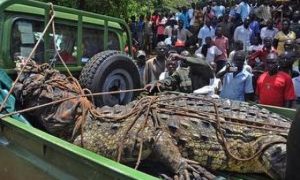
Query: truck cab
[85,41]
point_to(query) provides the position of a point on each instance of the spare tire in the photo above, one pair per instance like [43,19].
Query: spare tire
[111,71]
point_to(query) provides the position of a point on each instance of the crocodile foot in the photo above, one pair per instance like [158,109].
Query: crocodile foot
[191,171]
[167,153]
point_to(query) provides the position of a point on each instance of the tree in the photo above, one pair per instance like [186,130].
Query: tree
[120,8]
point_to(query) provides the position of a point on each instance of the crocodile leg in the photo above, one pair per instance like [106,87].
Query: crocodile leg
[167,152]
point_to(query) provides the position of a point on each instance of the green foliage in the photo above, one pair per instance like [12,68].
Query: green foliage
[120,8]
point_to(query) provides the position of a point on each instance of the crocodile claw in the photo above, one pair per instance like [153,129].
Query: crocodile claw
[199,172]
[165,177]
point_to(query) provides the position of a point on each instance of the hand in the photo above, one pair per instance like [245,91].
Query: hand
[175,57]
[154,87]
[227,67]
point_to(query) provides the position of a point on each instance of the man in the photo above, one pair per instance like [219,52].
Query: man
[170,69]
[206,31]
[148,34]
[286,61]
[185,79]
[243,33]
[219,9]
[233,11]
[141,31]
[191,12]
[258,58]
[255,27]
[295,24]
[282,36]
[140,62]
[182,33]
[268,31]
[209,51]
[198,19]
[243,10]
[184,16]
[133,28]
[264,11]
[222,44]
[155,66]
[227,27]
[275,87]
[237,81]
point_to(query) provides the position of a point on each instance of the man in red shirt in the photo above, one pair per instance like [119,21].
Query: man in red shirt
[275,87]
[258,58]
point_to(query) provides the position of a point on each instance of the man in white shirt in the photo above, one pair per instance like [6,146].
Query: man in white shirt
[206,31]
[191,13]
[212,51]
[243,33]
[268,31]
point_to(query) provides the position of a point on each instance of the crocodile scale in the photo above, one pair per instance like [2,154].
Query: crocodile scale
[175,131]
[185,133]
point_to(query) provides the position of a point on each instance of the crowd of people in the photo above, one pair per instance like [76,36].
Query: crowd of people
[240,50]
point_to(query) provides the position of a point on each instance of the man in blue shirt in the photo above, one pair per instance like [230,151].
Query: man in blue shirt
[243,10]
[237,82]
[219,9]
[184,16]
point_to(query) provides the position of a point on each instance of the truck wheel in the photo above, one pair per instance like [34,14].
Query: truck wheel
[111,71]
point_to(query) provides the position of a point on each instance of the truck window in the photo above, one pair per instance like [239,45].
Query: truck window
[25,33]
[65,41]
[113,41]
[92,40]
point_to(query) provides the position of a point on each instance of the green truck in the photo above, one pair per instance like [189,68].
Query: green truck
[92,46]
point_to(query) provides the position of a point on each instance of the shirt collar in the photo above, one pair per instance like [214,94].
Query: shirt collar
[242,73]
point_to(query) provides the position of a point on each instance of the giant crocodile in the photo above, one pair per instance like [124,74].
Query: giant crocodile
[183,132]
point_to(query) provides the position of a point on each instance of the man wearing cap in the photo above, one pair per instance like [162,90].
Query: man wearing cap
[140,62]
[155,66]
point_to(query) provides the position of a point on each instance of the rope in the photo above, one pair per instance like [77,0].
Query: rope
[69,98]
[86,105]
[227,148]
[28,58]
[143,127]
[218,127]
[223,139]
[58,54]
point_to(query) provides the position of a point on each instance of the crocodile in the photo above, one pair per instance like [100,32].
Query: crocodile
[186,133]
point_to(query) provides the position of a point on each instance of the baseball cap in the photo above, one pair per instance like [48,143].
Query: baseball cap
[141,54]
